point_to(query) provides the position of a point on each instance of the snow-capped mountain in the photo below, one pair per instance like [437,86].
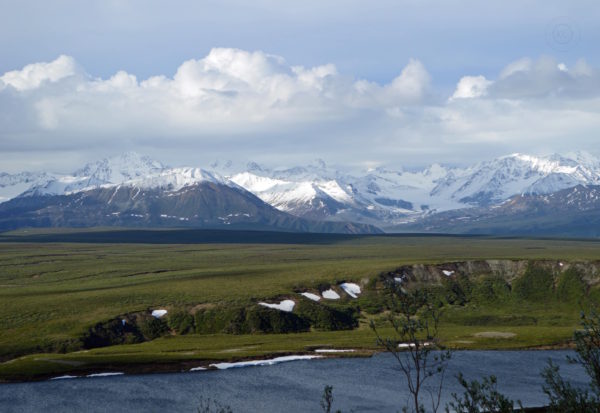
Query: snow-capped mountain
[206,205]
[570,212]
[12,185]
[129,169]
[321,192]
[385,197]
[317,198]
[492,182]
[118,169]
[403,192]
[174,179]
[388,197]
[135,191]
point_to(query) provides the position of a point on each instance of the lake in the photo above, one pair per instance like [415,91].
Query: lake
[360,384]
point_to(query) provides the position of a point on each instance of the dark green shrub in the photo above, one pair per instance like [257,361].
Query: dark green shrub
[570,286]
[152,327]
[112,332]
[537,284]
[181,322]
[241,320]
[213,406]
[236,321]
[466,285]
[66,346]
[566,397]
[457,290]
[219,319]
[258,319]
[594,295]
[323,317]
[480,397]
[266,320]
[490,289]
[372,301]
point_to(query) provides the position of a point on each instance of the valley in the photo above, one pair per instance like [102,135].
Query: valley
[84,304]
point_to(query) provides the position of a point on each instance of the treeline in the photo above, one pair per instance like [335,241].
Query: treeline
[537,284]
[421,358]
[230,319]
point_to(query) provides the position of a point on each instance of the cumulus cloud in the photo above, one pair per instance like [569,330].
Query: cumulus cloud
[521,65]
[228,86]
[413,82]
[34,75]
[539,79]
[471,87]
[236,101]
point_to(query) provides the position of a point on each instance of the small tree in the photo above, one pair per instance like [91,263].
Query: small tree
[327,400]
[563,396]
[212,406]
[415,345]
[480,397]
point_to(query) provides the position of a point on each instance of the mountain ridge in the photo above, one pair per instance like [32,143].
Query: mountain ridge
[201,205]
[571,212]
[384,197]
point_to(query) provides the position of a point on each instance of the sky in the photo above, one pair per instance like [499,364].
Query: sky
[401,83]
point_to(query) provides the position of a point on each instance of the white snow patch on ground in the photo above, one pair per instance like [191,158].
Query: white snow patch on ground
[334,350]
[447,273]
[285,305]
[330,295]
[311,296]
[198,368]
[158,313]
[105,374]
[66,376]
[351,289]
[269,362]
[411,345]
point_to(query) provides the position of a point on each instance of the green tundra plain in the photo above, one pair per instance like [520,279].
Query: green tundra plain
[63,295]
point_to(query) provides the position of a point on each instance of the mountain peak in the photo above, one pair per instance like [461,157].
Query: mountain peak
[320,163]
[254,167]
[120,168]
[380,196]
[584,158]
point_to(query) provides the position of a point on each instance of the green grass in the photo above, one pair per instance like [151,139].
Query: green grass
[52,292]
[175,353]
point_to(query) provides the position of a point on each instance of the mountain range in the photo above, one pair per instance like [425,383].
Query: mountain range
[514,194]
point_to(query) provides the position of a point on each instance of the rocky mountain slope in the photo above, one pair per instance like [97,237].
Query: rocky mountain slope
[389,198]
[573,212]
[393,199]
[204,204]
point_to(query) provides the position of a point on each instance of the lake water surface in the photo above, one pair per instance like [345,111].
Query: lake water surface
[360,384]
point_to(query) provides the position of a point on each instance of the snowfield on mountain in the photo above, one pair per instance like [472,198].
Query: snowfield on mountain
[384,197]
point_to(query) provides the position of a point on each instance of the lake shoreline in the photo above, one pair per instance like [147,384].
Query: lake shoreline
[201,366]
[360,383]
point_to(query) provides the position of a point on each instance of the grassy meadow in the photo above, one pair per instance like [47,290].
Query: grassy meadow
[54,286]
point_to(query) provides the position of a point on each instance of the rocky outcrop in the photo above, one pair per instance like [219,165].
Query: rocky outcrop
[506,269]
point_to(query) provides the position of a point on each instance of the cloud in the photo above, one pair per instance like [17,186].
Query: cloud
[471,87]
[34,75]
[412,84]
[227,87]
[251,104]
[528,79]
[521,65]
